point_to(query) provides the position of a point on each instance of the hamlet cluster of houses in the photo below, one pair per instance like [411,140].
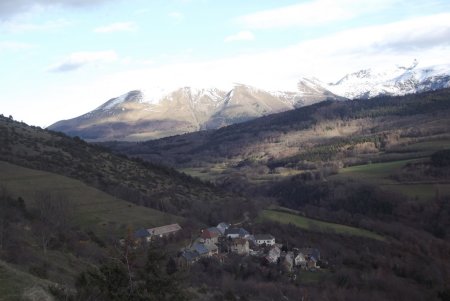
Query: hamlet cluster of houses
[224,239]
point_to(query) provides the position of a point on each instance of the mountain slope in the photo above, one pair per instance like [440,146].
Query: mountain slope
[136,181]
[379,129]
[140,115]
[399,80]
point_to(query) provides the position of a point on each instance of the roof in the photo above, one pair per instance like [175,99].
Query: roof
[264,237]
[200,249]
[222,227]
[190,255]
[164,229]
[141,233]
[236,231]
[215,229]
[209,234]
[311,252]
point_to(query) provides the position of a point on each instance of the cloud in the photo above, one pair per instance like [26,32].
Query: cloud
[117,27]
[15,27]
[312,13]
[14,46]
[10,8]
[240,36]
[327,58]
[79,59]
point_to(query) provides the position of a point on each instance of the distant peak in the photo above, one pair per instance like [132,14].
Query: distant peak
[413,65]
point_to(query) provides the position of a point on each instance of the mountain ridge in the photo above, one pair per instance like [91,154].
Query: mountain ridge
[156,113]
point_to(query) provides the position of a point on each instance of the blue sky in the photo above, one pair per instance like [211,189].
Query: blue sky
[60,59]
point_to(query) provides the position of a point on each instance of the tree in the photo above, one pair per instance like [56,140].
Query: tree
[53,213]
[126,277]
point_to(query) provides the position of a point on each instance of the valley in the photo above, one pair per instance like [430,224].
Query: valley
[365,182]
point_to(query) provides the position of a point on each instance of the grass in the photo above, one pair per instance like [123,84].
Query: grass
[379,174]
[316,225]
[92,208]
[14,283]
[374,171]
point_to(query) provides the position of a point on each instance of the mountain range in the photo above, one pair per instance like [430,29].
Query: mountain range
[155,113]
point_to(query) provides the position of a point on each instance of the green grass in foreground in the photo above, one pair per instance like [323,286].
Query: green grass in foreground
[92,208]
[14,283]
[316,225]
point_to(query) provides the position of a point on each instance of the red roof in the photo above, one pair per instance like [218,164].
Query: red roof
[206,234]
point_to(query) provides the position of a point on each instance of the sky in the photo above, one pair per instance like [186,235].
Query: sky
[62,58]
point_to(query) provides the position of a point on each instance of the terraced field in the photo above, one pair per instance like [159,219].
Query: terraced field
[302,222]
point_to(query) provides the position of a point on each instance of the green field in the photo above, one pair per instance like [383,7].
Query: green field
[92,208]
[379,174]
[316,225]
[375,171]
[14,284]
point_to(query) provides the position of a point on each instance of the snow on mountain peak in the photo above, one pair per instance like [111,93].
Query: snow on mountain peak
[399,80]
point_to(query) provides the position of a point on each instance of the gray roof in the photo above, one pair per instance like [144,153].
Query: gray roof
[311,252]
[141,233]
[190,255]
[200,248]
[164,229]
[264,237]
[237,231]
[222,227]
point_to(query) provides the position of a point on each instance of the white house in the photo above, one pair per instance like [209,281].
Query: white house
[267,239]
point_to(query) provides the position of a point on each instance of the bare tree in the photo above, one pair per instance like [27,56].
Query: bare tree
[53,212]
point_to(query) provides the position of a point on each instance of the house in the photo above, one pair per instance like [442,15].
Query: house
[300,260]
[311,252]
[288,262]
[188,257]
[273,254]
[312,263]
[236,233]
[210,237]
[240,246]
[164,230]
[212,249]
[142,235]
[264,239]
[216,230]
[222,227]
[201,249]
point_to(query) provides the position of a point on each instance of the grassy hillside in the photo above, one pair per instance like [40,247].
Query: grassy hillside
[92,208]
[315,225]
[142,183]
[381,174]
[16,285]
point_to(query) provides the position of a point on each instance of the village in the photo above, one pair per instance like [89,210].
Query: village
[226,240]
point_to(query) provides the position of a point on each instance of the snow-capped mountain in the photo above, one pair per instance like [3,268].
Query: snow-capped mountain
[399,80]
[155,112]
[158,112]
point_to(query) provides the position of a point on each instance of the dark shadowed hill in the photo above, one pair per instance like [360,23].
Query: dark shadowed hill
[140,182]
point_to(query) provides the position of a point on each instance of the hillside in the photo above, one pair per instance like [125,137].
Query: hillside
[343,133]
[136,181]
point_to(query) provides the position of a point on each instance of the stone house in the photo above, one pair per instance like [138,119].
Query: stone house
[240,246]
